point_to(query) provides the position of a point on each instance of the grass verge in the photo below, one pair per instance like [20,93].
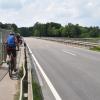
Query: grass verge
[37,94]
[97,48]
[20,74]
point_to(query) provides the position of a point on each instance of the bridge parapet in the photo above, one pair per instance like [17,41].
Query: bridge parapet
[3,35]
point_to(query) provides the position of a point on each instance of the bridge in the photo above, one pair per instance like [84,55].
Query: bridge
[56,70]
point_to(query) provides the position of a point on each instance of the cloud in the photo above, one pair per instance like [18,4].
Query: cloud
[27,12]
[12,4]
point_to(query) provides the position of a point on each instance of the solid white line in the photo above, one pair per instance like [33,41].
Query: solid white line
[69,53]
[53,90]
[39,77]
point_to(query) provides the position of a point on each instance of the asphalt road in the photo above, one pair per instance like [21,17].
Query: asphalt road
[74,72]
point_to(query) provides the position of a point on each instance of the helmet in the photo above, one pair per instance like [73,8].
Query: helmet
[12,33]
[18,34]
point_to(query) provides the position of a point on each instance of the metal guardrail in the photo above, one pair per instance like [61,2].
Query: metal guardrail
[3,35]
[93,40]
[86,42]
[2,53]
[26,80]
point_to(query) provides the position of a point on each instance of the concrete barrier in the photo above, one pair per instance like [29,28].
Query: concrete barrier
[72,41]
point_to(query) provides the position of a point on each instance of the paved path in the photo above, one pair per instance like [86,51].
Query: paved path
[9,87]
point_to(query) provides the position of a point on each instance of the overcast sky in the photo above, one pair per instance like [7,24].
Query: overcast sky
[27,12]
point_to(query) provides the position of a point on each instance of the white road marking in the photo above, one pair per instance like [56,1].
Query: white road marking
[39,77]
[53,90]
[69,52]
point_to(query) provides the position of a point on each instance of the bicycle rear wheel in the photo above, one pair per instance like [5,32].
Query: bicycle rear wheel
[10,70]
[11,65]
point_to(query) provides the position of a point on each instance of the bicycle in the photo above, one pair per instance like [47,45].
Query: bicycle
[11,61]
[11,65]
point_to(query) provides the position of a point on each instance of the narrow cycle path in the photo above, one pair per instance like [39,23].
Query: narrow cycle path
[10,87]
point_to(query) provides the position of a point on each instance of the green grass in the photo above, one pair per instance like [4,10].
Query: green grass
[20,74]
[95,49]
[37,94]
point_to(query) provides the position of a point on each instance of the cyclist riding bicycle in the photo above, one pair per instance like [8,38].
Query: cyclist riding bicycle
[18,37]
[11,48]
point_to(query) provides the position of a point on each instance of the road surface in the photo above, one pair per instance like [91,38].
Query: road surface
[74,72]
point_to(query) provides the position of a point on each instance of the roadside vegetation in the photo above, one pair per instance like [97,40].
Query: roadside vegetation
[53,29]
[20,74]
[37,94]
[97,48]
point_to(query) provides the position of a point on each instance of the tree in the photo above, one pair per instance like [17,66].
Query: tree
[94,32]
[53,29]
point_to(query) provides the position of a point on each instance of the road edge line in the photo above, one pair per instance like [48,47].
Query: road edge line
[53,90]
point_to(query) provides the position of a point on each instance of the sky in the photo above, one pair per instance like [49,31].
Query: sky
[25,13]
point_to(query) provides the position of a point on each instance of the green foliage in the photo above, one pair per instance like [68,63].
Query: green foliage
[36,91]
[25,31]
[49,29]
[95,48]
[55,30]
[72,31]
[94,32]
[9,27]
[20,74]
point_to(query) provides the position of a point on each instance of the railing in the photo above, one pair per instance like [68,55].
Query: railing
[86,42]
[0,47]
[2,52]
[3,35]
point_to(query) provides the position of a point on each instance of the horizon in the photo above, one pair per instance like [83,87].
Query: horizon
[50,22]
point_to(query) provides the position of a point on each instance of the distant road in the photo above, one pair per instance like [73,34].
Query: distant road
[74,72]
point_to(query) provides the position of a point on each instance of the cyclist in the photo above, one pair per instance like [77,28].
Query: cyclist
[18,40]
[11,48]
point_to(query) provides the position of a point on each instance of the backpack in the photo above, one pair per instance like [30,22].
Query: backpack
[11,41]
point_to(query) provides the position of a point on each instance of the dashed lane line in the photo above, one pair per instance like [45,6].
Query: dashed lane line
[69,52]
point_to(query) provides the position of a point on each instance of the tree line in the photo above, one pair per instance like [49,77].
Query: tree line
[53,29]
